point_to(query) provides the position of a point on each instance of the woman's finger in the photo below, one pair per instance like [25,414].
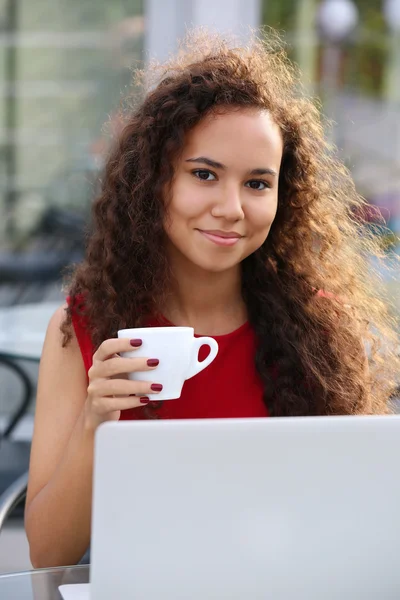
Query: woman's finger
[119,365]
[121,387]
[114,346]
[106,405]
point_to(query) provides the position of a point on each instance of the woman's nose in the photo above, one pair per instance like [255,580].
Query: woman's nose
[228,205]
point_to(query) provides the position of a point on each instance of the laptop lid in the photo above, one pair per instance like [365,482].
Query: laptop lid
[280,509]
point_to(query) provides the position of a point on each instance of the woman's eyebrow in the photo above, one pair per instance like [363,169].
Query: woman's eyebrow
[207,161]
[217,165]
[263,172]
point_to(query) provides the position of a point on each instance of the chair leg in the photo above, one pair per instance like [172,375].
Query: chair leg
[12,496]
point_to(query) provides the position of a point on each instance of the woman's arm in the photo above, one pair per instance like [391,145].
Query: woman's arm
[58,505]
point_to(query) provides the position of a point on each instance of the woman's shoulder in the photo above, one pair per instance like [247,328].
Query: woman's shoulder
[57,318]
[55,345]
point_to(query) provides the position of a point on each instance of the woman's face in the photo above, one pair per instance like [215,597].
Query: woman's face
[224,195]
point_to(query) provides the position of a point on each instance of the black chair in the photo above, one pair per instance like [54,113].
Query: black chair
[27,396]
[14,455]
[12,500]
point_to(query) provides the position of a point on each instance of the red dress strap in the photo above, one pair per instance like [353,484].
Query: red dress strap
[82,332]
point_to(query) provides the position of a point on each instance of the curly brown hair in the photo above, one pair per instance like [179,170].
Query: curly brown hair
[317,344]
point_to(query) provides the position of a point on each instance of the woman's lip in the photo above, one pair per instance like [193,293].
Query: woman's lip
[219,240]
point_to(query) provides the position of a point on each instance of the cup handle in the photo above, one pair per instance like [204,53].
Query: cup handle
[195,365]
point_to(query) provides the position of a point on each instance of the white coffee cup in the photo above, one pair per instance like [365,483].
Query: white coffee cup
[177,350]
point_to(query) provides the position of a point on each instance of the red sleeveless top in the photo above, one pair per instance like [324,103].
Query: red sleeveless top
[229,387]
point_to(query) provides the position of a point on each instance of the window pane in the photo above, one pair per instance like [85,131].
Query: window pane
[63,69]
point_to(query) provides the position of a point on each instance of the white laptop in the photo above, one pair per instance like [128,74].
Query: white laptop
[247,509]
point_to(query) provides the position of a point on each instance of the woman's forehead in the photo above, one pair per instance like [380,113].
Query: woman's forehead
[245,135]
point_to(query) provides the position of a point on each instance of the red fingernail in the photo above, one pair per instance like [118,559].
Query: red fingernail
[144,400]
[153,362]
[135,343]
[156,387]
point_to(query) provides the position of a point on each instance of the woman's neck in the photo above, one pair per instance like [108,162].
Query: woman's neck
[209,302]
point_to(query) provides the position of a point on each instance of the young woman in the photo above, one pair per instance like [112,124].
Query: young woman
[222,208]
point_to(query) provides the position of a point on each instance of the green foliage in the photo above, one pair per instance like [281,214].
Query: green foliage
[367,51]
[279,13]
[370,52]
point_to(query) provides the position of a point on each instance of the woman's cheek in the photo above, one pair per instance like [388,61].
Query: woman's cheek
[261,217]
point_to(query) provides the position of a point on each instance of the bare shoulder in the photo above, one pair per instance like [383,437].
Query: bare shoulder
[54,326]
[59,315]
[53,345]
[61,365]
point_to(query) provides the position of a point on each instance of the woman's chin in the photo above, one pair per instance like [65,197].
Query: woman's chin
[215,266]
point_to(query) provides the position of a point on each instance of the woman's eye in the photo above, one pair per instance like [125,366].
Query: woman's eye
[204,175]
[258,185]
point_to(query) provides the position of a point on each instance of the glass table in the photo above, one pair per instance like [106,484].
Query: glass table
[41,584]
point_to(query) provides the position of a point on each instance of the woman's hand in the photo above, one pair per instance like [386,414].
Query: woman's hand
[109,390]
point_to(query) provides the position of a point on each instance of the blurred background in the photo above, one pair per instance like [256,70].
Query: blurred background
[64,66]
